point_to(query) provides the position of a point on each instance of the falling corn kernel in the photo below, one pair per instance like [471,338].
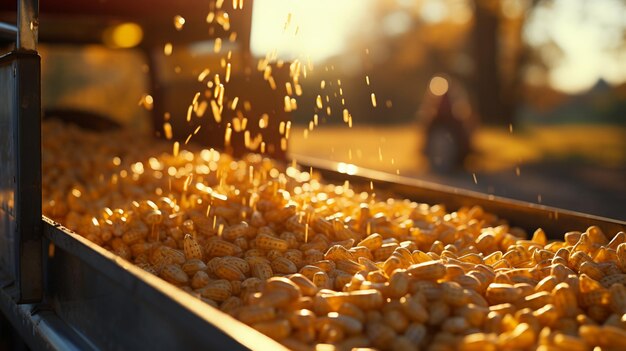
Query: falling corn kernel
[287,22]
[195,99]
[205,73]
[201,109]
[167,49]
[246,138]
[264,121]
[227,77]
[272,83]
[228,134]
[287,104]
[210,17]
[220,96]
[189,112]
[147,102]
[217,114]
[294,104]
[179,22]
[175,149]
[287,129]
[367,80]
[167,129]
[318,102]
[217,47]
[373,96]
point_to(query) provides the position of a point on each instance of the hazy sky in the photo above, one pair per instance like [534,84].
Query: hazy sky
[589,33]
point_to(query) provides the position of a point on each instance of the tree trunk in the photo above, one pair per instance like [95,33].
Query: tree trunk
[488,94]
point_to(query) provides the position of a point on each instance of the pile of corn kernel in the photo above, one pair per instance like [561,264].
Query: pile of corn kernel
[316,265]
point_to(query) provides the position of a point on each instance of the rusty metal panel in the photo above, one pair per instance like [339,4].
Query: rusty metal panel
[8,171]
[20,176]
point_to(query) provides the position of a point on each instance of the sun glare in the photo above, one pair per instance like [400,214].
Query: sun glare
[317,29]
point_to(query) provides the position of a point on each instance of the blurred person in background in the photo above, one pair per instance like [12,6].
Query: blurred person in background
[448,124]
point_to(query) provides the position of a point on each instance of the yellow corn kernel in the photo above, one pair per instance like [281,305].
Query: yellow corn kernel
[416,332]
[268,242]
[478,342]
[372,242]
[564,299]
[365,299]
[380,335]
[348,324]
[174,274]
[284,266]
[221,248]
[228,271]
[262,270]
[432,270]
[305,284]
[502,293]
[352,310]
[321,280]
[438,311]
[361,251]
[217,290]
[238,262]
[617,298]
[190,267]
[453,294]
[191,248]
[277,329]
[199,280]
